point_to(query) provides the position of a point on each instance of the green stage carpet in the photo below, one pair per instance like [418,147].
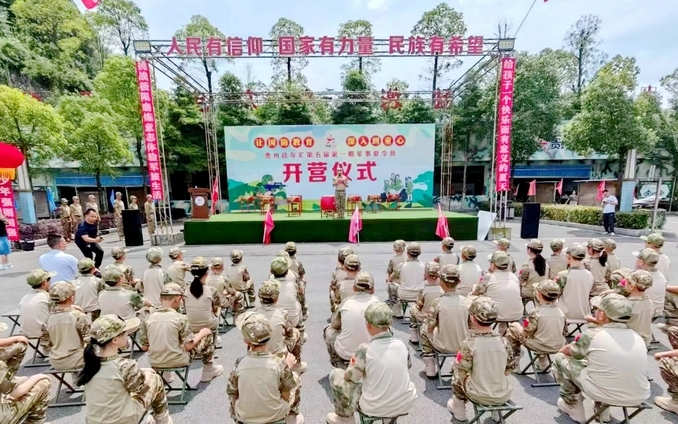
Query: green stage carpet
[248,228]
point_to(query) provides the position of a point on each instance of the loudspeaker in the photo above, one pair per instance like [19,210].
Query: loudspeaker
[529,225]
[131,227]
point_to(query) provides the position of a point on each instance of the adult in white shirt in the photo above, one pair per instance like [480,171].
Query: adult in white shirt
[64,265]
[609,208]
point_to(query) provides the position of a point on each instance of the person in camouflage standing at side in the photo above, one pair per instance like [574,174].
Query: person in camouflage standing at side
[393,277]
[118,207]
[21,398]
[92,203]
[76,213]
[133,205]
[338,275]
[66,220]
[149,211]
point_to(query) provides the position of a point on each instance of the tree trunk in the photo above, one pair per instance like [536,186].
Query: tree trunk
[289,70]
[463,178]
[620,175]
[435,80]
[140,157]
[360,65]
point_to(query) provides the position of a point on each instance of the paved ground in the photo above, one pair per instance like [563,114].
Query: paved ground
[210,403]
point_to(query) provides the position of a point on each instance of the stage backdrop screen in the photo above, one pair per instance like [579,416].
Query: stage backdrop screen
[302,160]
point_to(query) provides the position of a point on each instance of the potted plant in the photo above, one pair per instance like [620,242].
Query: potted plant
[27,237]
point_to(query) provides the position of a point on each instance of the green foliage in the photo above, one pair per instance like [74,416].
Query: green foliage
[592,215]
[582,42]
[354,29]
[353,109]
[120,23]
[200,26]
[293,108]
[233,110]
[288,27]
[417,111]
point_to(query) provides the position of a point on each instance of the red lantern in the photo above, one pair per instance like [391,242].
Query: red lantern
[10,159]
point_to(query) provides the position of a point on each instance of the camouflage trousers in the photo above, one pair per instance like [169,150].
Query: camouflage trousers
[235,302]
[459,385]
[330,335]
[118,225]
[67,228]
[426,341]
[295,395]
[334,299]
[205,349]
[155,396]
[672,332]
[150,224]
[345,394]
[392,289]
[567,372]
[301,298]
[668,368]
[12,355]
[33,405]
[295,342]
[340,203]
[247,288]
[416,317]
[671,308]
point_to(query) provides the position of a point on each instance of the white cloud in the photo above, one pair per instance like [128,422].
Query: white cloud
[376,5]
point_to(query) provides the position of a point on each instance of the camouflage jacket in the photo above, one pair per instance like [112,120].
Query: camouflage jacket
[464,362]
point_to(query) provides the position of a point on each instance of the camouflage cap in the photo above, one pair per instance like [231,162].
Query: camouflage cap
[649,256]
[549,288]
[484,310]
[561,278]
[500,259]
[61,291]
[557,244]
[596,244]
[619,275]
[108,327]
[364,281]
[469,252]
[236,254]
[414,249]
[504,243]
[86,265]
[577,251]
[615,306]
[280,265]
[39,276]
[291,246]
[535,244]
[118,252]
[379,314]
[171,289]
[352,263]
[74,198]
[269,290]
[449,274]
[448,242]
[654,239]
[175,252]
[154,254]
[112,274]
[344,252]
[256,329]
[610,243]
[432,269]
[641,279]
[199,263]
[284,254]
[399,245]
[117,193]
[217,262]
[64,200]
[133,197]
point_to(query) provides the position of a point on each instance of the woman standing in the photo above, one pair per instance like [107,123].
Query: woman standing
[534,271]
[5,248]
[340,184]
[201,300]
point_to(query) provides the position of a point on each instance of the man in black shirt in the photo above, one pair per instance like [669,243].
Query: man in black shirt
[87,238]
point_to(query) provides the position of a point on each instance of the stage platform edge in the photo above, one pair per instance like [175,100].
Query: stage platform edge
[247,228]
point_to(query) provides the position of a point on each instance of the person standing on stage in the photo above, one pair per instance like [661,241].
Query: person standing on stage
[149,210]
[118,207]
[87,237]
[340,184]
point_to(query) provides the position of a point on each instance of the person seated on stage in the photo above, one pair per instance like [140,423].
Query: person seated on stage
[612,259]
[12,351]
[598,265]
[34,307]
[393,277]
[239,277]
[23,397]
[544,328]
[576,284]
[446,324]
[484,362]
[289,290]
[262,387]
[176,273]
[119,254]
[503,287]
[647,259]
[347,331]
[447,257]
[377,380]
[344,288]
[339,274]
[228,296]
[292,276]
[88,286]
[116,389]
[470,272]
[154,277]
[411,278]
[285,338]
[427,295]
[201,301]
[533,271]
[66,331]
[503,245]
[591,364]
[174,344]
[557,262]
[298,268]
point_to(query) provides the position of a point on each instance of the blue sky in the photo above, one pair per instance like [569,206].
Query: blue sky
[644,29]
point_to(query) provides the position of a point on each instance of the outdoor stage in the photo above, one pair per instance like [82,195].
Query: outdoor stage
[248,228]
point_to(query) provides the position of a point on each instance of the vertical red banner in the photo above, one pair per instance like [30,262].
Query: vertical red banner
[150,129]
[504,122]
[7,208]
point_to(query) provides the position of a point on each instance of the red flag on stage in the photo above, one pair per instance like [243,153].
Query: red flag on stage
[601,188]
[355,226]
[533,188]
[559,187]
[442,230]
[215,195]
[268,226]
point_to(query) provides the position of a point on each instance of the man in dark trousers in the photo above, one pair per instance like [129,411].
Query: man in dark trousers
[609,208]
[87,238]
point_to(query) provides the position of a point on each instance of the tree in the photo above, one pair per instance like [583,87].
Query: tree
[393,115]
[670,84]
[582,43]
[200,26]
[121,22]
[446,22]
[30,125]
[94,140]
[467,118]
[117,83]
[354,29]
[287,69]
[608,122]
[233,110]
[292,108]
[356,104]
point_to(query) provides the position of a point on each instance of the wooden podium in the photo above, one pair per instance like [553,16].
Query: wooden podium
[199,208]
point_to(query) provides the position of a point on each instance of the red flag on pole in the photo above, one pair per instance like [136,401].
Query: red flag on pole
[268,226]
[215,195]
[601,188]
[559,187]
[533,188]
[442,230]
[355,226]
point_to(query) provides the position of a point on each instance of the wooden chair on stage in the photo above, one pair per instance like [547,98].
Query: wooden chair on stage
[373,201]
[266,200]
[392,199]
[353,201]
[294,204]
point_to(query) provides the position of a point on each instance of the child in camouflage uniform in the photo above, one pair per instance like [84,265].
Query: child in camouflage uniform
[23,398]
[119,254]
[393,278]
[88,286]
[447,257]
[557,262]
[230,298]
[612,259]
[339,274]
[240,279]
[12,351]
[344,288]
[598,265]
[176,273]
[469,272]
[290,292]
[668,368]
[291,275]
[427,295]
[503,245]
[154,277]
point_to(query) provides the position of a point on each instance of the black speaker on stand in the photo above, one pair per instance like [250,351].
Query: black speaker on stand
[529,225]
[131,227]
